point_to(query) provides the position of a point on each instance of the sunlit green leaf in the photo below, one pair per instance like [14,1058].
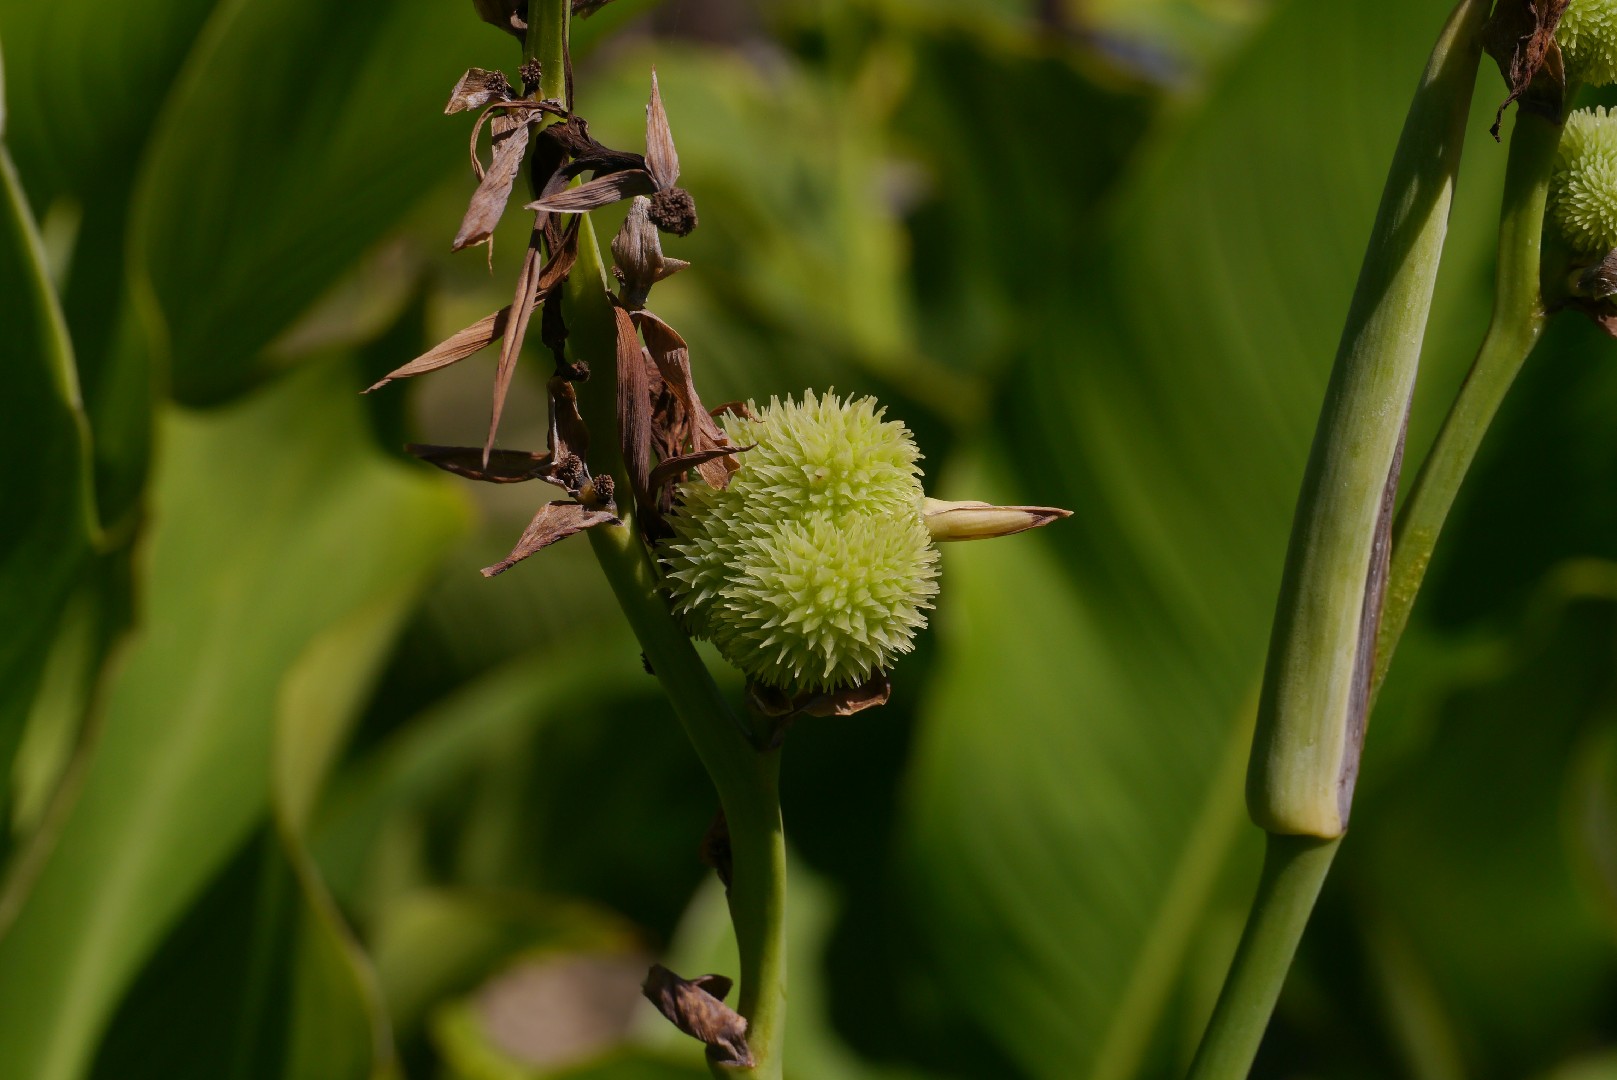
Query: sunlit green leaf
[274,523]
[44,441]
[297,135]
[1077,785]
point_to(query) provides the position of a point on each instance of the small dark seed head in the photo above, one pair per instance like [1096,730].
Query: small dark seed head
[674,211]
[605,489]
[530,71]
[570,472]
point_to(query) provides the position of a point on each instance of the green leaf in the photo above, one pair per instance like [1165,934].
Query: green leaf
[1076,788]
[93,78]
[44,440]
[298,133]
[1478,831]
[275,522]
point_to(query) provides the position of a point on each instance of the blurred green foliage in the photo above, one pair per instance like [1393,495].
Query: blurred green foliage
[291,791]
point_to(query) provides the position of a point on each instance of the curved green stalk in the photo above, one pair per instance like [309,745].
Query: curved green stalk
[1315,699]
[747,779]
[1294,869]
[1518,320]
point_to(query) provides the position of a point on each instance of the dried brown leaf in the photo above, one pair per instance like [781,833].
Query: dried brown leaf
[568,435]
[516,329]
[476,89]
[673,360]
[634,411]
[453,349]
[596,193]
[716,855]
[874,691]
[510,145]
[670,469]
[554,521]
[1520,36]
[662,161]
[504,466]
[693,1006]
[535,284]
[508,15]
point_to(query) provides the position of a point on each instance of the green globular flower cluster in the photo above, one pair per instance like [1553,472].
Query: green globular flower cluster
[814,568]
[1587,34]
[1583,189]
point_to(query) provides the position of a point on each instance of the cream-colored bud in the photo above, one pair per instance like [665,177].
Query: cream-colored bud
[972,520]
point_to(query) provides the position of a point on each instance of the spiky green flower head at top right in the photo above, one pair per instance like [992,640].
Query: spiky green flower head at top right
[1587,34]
[1583,188]
[813,569]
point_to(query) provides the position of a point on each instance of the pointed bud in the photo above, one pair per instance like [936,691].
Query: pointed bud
[981,521]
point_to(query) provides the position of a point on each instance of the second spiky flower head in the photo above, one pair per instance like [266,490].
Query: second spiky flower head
[1587,35]
[1583,194]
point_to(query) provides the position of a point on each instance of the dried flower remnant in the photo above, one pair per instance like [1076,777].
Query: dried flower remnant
[696,1006]
[670,208]
[1521,38]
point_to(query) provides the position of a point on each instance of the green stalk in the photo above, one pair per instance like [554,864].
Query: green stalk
[1315,701]
[1294,869]
[747,779]
[1518,320]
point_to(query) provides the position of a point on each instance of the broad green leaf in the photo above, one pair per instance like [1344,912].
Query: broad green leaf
[1470,851]
[274,522]
[1077,781]
[88,80]
[51,532]
[297,134]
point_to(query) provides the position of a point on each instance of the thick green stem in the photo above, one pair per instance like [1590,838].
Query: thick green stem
[1316,690]
[548,23]
[747,779]
[748,785]
[1294,868]
[1305,750]
[1518,320]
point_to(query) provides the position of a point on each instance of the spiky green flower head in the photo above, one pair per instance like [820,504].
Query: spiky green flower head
[1583,191]
[1587,34]
[814,568]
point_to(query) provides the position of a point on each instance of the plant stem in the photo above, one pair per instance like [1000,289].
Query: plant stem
[748,786]
[1310,724]
[548,24]
[1518,320]
[1294,868]
[1316,690]
[747,779]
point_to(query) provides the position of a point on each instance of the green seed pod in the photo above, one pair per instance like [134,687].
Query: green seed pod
[813,569]
[1583,192]
[1587,34]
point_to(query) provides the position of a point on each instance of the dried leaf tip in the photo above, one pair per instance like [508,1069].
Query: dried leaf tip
[696,1006]
[971,520]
